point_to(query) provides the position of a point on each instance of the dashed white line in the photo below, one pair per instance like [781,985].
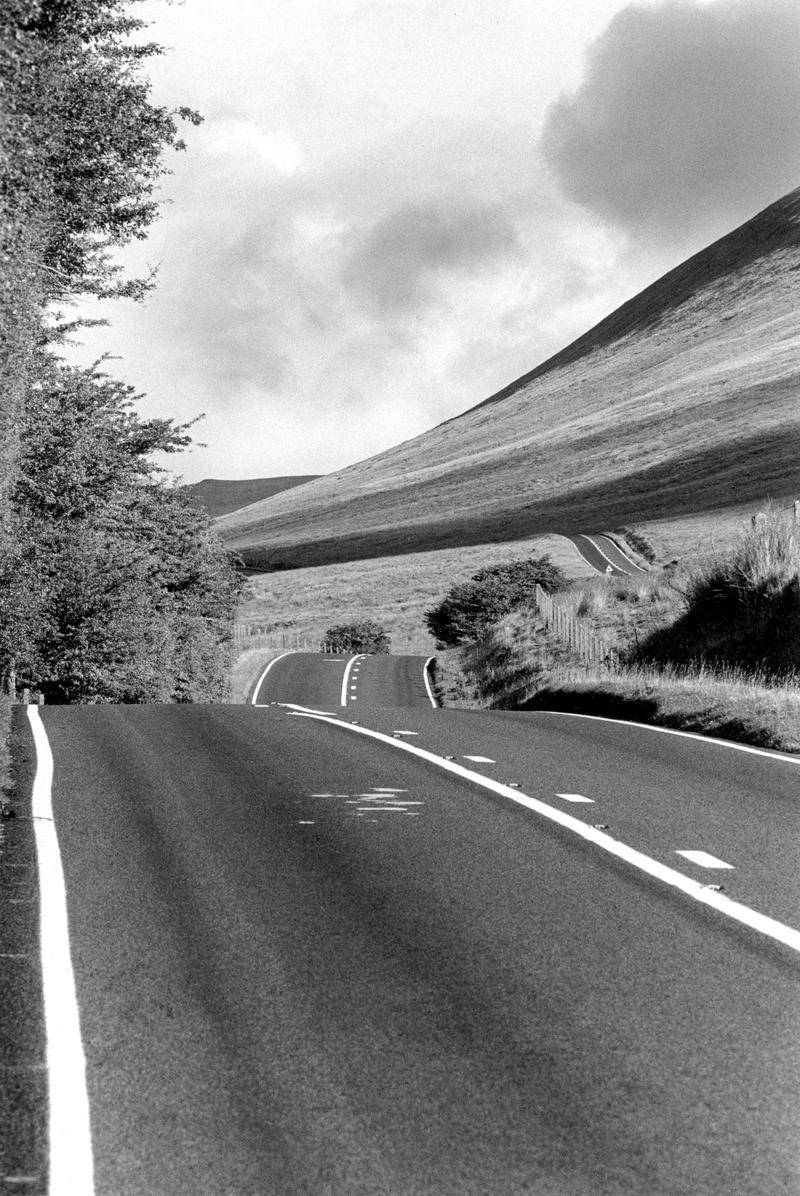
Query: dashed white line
[703,859]
[346,677]
[703,894]
[481,759]
[71,1161]
[576,797]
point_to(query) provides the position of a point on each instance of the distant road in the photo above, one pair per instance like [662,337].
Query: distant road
[603,555]
[311,961]
[314,679]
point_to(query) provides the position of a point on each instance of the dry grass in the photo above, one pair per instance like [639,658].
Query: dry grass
[682,410]
[519,666]
[247,667]
[394,591]
[741,611]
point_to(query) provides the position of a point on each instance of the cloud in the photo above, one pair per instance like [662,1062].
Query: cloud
[396,263]
[687,118]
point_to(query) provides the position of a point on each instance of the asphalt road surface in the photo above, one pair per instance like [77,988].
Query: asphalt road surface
[309,959]
[604,555]
[340,681]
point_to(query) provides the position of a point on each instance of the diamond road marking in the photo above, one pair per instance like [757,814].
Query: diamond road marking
[703,859]
[576,797]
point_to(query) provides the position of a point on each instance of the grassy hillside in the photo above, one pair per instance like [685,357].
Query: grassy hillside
[219,496]
[680,406]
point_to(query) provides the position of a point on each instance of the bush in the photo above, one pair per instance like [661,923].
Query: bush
[638,542]
[470,607]
[365,636]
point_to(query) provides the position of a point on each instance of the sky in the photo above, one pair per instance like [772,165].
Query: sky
[394,208]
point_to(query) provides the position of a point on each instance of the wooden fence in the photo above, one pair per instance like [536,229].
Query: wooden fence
[573,632]
[248,635]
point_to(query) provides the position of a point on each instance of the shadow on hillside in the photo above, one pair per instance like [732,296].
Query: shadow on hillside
[745,470]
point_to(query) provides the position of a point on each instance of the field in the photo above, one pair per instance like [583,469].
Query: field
[676,414]
[395,590]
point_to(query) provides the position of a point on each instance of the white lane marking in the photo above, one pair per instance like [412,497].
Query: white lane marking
[427,679]
[386,789]
[603,555]
[70,1134]
[263,675]
[481,759]
[405,732]
[765,925]
[304,709]
[781,757]
[576,797]
[624,555]
[703,859]
[346,677]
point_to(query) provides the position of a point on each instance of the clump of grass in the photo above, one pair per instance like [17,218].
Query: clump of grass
[741,609]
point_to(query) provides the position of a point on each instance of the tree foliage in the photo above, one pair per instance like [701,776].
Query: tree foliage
[116,588]
[470,607]
[363,636]
[112,588]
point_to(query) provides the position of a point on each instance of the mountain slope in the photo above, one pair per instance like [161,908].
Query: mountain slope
[220,496]
[682,401]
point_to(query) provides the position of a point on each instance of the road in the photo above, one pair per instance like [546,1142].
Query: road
[316,954]
[605,556]
[345,681]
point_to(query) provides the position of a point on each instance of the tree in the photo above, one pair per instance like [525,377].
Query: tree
[470,607]
[363,636]
[128,592]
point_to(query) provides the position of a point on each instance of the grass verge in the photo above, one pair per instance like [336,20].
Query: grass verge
[521,666]
[6,779]
[245,672]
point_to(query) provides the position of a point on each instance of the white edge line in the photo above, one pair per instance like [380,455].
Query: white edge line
[428,686]
[274,660]
[70,1135]
[637,859]
[346,677]
[603,555]
[619,550]
[303,709]
[781,757]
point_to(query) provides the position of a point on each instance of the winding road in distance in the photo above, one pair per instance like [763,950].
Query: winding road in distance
[386,948]
[605,556]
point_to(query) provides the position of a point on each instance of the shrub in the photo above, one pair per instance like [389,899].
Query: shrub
[470,607]
[637,541]
[364,636]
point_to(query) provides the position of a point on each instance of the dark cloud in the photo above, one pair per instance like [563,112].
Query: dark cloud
[396,263]
[687,119]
